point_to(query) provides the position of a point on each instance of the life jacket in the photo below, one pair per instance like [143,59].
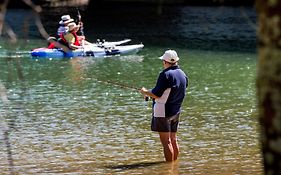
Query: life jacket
[64,42]
[51,46]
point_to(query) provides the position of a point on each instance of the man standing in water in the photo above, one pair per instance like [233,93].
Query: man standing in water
[168,95]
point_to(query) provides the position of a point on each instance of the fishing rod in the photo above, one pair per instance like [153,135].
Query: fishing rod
[118,84]
[81,29]
[80,21]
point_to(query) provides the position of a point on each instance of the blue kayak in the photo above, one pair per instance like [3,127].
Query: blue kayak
[93,50]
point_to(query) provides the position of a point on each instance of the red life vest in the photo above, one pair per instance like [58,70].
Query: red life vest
[51,46]
[76,43]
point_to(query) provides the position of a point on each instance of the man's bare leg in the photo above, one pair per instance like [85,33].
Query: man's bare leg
[167,145]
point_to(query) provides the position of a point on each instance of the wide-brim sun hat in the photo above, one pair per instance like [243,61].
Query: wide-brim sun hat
[65,19]
[72,26]
[170,56]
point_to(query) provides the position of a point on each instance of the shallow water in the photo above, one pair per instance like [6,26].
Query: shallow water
[83,115]
[68,116]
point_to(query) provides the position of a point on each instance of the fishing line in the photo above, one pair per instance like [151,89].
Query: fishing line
[118,84]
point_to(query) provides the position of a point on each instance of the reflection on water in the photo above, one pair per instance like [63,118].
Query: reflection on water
[136,165]
[65,118]
[146,168]
[85,116]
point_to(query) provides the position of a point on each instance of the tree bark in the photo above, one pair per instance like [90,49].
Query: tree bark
[269,83]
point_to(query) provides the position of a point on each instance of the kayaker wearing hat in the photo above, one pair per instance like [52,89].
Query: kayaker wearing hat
[67,35]
[70,38]
[52,41]
[168,95]
[65,20]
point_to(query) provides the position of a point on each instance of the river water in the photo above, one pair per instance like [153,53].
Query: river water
[71,116]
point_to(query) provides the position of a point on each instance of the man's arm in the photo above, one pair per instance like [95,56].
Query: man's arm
[148,93]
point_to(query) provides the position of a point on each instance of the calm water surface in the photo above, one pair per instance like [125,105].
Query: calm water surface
[73,117]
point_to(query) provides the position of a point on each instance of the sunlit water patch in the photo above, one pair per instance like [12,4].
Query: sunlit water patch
[86,116]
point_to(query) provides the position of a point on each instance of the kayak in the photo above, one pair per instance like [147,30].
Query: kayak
[104,43]
[101,49]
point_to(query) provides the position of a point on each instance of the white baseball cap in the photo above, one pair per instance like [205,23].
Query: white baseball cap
[170,56]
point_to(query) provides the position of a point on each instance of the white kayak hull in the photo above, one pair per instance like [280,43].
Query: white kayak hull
[88,50]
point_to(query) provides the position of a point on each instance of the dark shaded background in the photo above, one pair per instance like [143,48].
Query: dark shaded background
[208,26]
[94,3]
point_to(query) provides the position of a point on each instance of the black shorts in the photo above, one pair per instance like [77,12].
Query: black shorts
[165,124]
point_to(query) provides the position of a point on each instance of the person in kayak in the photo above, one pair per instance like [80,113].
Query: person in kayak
[168,95]
[53,42]
[63,29]
[65,20]
[70,37]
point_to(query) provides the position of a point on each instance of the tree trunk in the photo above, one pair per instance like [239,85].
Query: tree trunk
[269,83]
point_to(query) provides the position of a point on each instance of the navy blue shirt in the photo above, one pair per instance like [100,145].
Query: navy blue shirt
[171,88]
